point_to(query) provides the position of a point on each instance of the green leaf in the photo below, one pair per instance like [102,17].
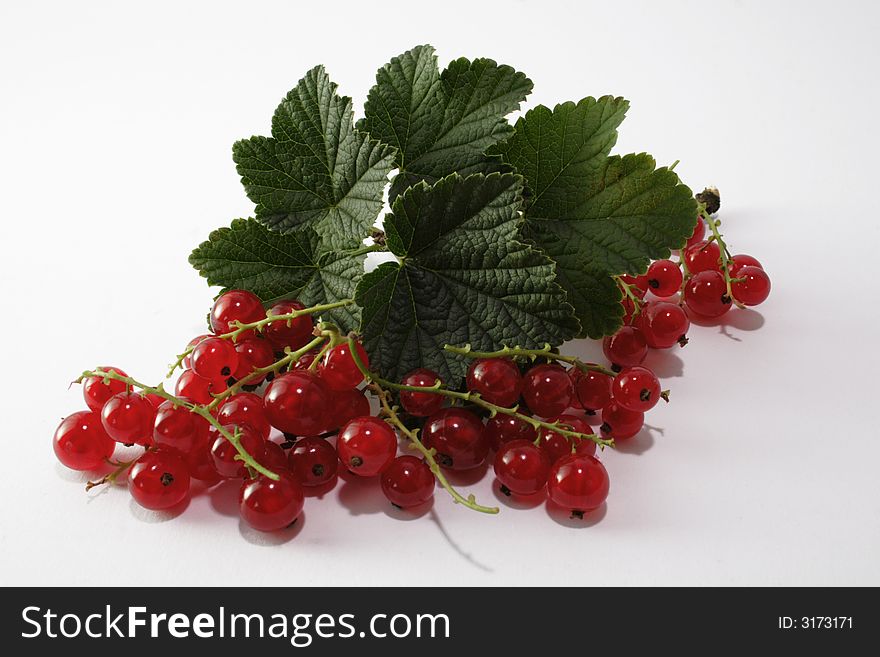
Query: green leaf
[442,123]
[249,256]
[595,215]
[463,277]
[316,170]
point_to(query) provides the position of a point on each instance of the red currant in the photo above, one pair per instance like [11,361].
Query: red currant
[578,482]
[585,448]
[236,306]
[742,260]
[754,289]
[154,399]
[638,284]
[347,405]
[245,409]
[338,368]
[214,359]
[636,389]
[298,403]
[366,445]
[269,505]
[505,428]
[128,418]
[159,480]
[698,234]
[223,452]
[81,443]
[547,390]
[293,333]
[555,444]
[625,348]
[664,278]
[96,392]
[703,256]
[663,324]
[176,428]
[592,389]
[457,435]
[620,423]
[407,482]
[305,361]
[196,388]
[706,294]
[420,404]
[313,461]
[253,353]
[187,360]
[274,459]
[497,380]
[521,467]
[199,459]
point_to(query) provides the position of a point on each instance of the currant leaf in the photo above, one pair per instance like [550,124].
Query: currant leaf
[463,276]
[595,215]
[249,256]
[442,123]
[316,170]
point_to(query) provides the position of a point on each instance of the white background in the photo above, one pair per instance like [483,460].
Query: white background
[117,124]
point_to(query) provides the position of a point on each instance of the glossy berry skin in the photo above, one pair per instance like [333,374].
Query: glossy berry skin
[521,467]
[592,390]
[293,333]
[706,294]
[96,392]
[497,380]
[187,360]
[223,452]
[196,388]
[663,324]
[626,348]
[128,418]
[199,459]
[503,429]
[81,443]
[742,260]
[698,234]
[305,361]
[578,482]
[620,423]
[214,359]
[154,399]
[420,404]
[245,409]
[585,448]
[313,461]
[176,428]
[555,444]
[755,289]
[407,482]
[268,505]
[298,403]
[703,256]
[274,459]
[366,445]
[547,390]
[338,369]
[638,284]
[159,480]
[636,389]
[252,354]
[457,435]
[664,278]
[236,305]
[347,405]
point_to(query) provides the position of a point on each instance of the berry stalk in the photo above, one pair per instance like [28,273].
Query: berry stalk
[725,253]
[544,352]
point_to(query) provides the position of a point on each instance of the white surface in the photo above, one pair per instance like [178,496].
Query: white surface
[116,129]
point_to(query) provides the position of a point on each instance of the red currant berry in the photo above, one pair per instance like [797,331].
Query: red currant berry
[298,403]
[199,459]
[268,505]
[305,361]
[199,389]
[592,389]
[313,461]
[293,333]
[555,444]
[236,306]
[638,284]
[407,482]
[497,380]
[636,389]
[214,359]
[159,480]
[547,390]
[81,443]
[703,256]
[154,399]
[128,418]
[176,428]
[706,294]
[742,260]
[585,448]
[96,392]
[629,311]
[224,454]
[420,404]
[505,428]
[664,278]
[579,483]
[338,368]
[347,405]
[521,467]
[457,435]
[754,288]
[253,353]
[620,423]
[698,234]
[626,348]
[187,360]
[274,459]
[663,324]
[366,445]
[245,409]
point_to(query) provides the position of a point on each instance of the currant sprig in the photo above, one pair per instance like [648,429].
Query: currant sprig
[714,225]
[546,351]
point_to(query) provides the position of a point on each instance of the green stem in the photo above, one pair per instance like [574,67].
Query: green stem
[544,352]
[372,248]
[725,255]
[109,478]
[626,288]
